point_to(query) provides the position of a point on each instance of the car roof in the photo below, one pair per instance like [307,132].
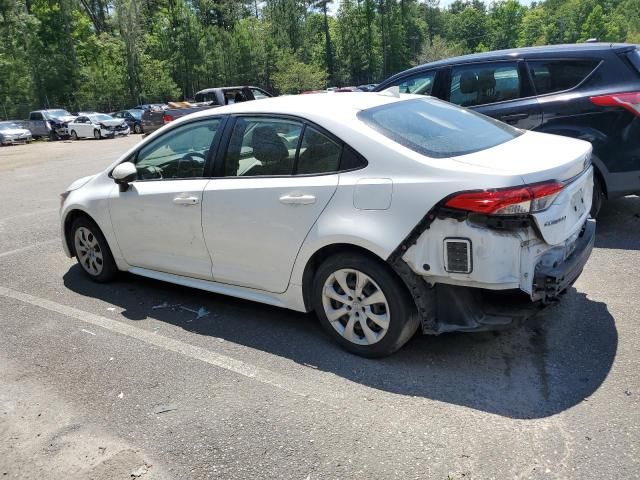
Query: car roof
[340,108]
[564,49]
[237,87]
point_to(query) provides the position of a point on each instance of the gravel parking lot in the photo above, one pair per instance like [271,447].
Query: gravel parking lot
[110,381]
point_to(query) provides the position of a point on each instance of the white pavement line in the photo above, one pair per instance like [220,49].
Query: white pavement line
[28,247]
[222,361]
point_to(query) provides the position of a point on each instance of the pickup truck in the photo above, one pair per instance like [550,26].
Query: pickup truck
[204,99]
[48,123]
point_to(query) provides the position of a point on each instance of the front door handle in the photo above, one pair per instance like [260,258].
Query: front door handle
[514,118]
[186,201]
[297,199]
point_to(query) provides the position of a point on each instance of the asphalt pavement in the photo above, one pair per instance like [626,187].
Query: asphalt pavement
[141,379]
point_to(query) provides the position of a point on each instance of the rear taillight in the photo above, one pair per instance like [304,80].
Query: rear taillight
[166,118]
[629,100]
[508,201]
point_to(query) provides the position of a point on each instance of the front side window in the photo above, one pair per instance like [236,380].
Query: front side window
[479,84]
[557,75]
[318,153]
[179,153]
[420,84]
[262,146]
[437,129]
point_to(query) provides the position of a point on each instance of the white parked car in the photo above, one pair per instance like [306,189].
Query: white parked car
[97,125]
[385,214]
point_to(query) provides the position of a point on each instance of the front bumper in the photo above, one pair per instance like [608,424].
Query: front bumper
[114,131]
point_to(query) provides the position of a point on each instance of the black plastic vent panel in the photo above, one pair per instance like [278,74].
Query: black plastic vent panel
[457,255]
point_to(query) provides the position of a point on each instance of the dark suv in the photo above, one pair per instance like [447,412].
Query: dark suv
[589,91]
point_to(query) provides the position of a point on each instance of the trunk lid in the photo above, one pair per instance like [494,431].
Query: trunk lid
[539,157]
[536,157]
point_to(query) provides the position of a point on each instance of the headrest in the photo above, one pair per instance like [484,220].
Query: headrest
[468,82]
[268,147]
[486,80]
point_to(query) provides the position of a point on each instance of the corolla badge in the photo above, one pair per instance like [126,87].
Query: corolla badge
[555,221]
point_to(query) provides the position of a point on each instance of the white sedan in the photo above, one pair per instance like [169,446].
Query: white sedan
[384,213]
[97,125]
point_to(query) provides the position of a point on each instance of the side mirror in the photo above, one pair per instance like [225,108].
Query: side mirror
[123,174]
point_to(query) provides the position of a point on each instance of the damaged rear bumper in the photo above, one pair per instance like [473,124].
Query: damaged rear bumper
[448,305]
[550,282]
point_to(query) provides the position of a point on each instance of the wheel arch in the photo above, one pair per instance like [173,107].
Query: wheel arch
[70,217]
[327,251]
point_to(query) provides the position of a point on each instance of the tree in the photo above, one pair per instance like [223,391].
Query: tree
[293,76]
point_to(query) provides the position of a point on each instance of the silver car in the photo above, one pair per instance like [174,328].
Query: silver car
[11,133]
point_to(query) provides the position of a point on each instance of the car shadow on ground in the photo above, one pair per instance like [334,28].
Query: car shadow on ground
[618,224]
[535,370]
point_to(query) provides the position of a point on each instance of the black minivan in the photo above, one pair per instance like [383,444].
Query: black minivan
[589,91]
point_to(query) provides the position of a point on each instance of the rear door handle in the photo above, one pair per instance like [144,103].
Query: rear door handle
[186,201]
[297,199]
[514,118]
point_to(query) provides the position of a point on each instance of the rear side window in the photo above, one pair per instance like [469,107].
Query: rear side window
[551,76]
[35,116]
[634,58]
[479,84]
[437,129]
[318,153]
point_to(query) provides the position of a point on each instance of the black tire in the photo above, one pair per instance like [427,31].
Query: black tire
[137,128]
[598,196]
[53,136]
[403,315]
[96,134]
[109,270]
[74,135]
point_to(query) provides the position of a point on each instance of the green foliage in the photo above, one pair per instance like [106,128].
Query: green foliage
[110,54]
[293,76]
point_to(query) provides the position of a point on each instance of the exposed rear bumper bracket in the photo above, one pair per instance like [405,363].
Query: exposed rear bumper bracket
[549,283]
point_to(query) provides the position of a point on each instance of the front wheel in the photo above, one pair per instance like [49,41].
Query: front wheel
[363,305]
[74,135]
[137,128]
[96,134]
[92,251]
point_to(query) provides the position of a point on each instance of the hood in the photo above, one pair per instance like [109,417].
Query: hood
[79,183]
[112,123]
[535,157]
[15,131]
[65,119]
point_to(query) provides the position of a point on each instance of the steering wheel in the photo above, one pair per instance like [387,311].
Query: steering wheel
[150,172]
[190,155]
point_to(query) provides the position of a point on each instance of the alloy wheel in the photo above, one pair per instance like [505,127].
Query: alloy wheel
[88,251]
[356,306]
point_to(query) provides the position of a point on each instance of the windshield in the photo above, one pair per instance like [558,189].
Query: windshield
[58,113]
[8,126]
[100,117]
[437,129]
[137,114]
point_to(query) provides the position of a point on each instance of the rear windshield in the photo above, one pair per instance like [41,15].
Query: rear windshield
[437,129]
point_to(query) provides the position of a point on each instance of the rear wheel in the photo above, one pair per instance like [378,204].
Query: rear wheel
[92,251]
[363,305]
